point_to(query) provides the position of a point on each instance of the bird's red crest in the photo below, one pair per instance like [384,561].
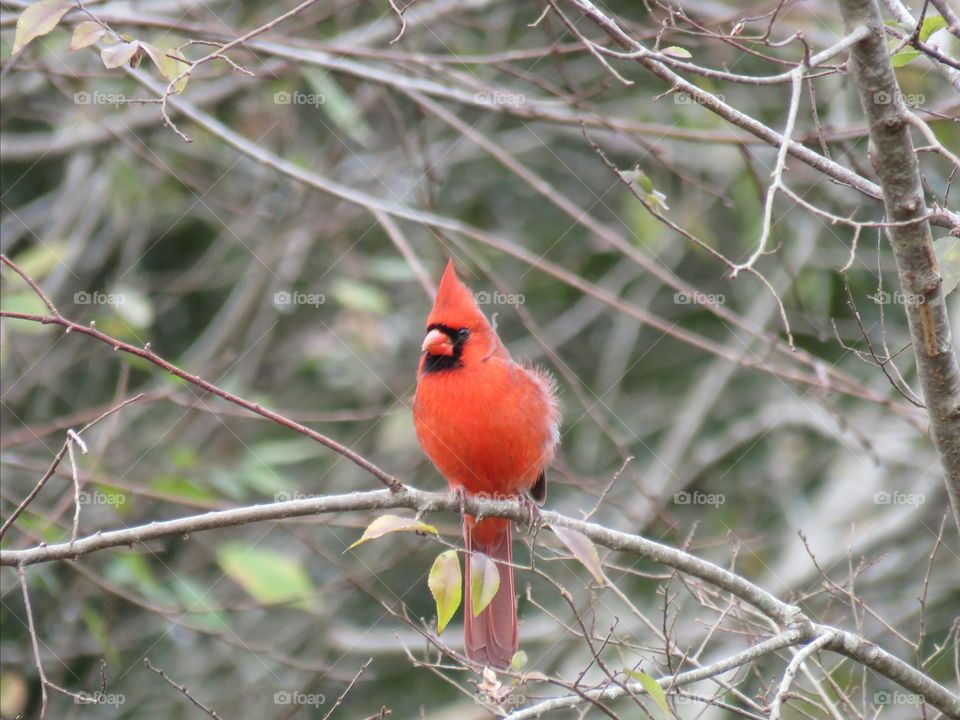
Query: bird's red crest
[455,306]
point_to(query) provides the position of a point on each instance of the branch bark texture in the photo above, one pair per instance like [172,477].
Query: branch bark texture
[895,162]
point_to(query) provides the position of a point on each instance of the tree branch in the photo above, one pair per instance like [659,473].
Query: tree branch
[792,669]
[835,171]
[668,682]
[147,354]
[895,162]
[786,616]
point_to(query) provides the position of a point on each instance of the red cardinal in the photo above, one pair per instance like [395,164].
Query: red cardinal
[490,426]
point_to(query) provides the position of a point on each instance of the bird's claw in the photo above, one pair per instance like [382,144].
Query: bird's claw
[460,495]
[532,510]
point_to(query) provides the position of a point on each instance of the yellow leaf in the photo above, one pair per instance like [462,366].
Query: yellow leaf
[269,576]
[38,20]
[392,523]
[484,581]
[170,63]
[583,550]
[14,694]
[86,33]
[445,582]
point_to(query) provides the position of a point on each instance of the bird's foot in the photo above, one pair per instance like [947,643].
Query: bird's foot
[532,510]
[460,495]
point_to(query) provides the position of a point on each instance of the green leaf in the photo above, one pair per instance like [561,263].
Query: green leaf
[170,63]
[132,570]
[390,269]
[361,296]
[675,51]
[519,661]
[947,250]
[96,625]
[37,261]
[657,199]
[446,582]
[37,20]
[390,524]
[484,581]
[110,322]
[254,476]
[653,689]
[86,33]
[339,106]
[280,453]
[181,487]
[901,58]
[198,602]
[582,549]
[930,25]
[39,526]
[120,54]
[638,178]
[26,302]
[183,457]
[267,576]
[644,227]
[134,306]
[99,630]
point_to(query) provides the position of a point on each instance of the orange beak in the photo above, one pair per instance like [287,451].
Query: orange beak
[437,343]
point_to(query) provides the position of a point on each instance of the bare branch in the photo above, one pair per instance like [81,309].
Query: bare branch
[147,354]
[181,689]
[895,162]
[786,616]
[792,669]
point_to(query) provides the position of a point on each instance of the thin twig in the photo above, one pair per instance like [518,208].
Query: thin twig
[792,669]
[56,463]
[348,688]
[182,689]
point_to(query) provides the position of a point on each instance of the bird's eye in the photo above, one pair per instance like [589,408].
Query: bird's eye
[462,334]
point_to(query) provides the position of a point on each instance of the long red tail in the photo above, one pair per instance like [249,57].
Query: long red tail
[491,638]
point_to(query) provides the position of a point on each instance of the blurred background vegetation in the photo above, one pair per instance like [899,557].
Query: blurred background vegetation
[200,247]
